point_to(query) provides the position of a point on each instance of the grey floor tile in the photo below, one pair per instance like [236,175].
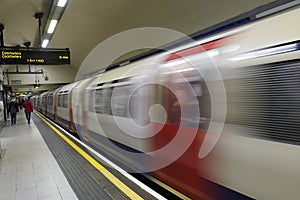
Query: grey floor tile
[67,193]
[54,197]
[7,196]
[26,194]
[48,191]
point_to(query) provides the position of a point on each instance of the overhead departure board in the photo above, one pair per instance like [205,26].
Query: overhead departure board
[33,56]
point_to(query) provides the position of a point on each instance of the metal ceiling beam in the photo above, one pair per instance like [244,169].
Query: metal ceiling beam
[41,72]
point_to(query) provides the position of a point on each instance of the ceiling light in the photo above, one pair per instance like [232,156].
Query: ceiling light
[266,52]
[45,43]
[61,3]
[52,26]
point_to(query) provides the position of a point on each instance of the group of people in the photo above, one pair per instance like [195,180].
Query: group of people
[13,109]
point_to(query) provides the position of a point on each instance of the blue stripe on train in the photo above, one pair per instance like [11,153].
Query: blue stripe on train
[116,150]
[50,115]
[106,141]
[63,122]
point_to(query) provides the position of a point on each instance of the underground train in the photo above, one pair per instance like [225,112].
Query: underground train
[216,118]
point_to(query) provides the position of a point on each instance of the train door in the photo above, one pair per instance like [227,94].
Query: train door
[186,101]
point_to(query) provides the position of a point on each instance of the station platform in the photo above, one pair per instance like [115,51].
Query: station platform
[28,169]
[37,163]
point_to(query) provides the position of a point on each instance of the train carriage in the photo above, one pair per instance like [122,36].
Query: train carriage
[34,101]
[105,107]
[51,104]
[43,102]
[63,99]
[227,104]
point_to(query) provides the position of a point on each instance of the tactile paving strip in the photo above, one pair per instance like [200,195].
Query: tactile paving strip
[85,180]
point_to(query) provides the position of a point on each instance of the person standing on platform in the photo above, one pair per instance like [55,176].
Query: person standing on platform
[21,103]
[27,109]
[13,108]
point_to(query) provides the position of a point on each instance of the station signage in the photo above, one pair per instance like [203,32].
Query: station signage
[16,82]
[34,56]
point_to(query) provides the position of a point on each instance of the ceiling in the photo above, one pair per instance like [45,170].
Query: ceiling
[85,24]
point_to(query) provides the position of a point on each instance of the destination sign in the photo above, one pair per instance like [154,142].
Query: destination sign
[12,56]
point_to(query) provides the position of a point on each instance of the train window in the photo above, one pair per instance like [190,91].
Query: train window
[59,100]
[197,87]
[139,103]
[188,92]
[91,103]
[106,100]
[204,102]
[43,100]
[98,106]
[35,102]
[65,101]
[119,100]
[50,100]
[102,100]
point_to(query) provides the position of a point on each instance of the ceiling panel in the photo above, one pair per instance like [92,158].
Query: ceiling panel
[85,24]
[18,19]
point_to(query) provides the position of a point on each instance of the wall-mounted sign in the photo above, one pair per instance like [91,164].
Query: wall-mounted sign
[34,56]
[16,82]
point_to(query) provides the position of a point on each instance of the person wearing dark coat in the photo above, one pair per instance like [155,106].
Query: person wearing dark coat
[13,108]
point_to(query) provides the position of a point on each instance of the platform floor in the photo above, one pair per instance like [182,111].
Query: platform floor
[38,163]
[28,170]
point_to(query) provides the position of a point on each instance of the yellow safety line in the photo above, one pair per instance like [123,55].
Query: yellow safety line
[119,184]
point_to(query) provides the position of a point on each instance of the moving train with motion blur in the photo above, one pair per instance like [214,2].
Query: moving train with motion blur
[215,118]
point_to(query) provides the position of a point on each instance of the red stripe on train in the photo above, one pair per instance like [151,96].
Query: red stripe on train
[71,125]
[182,174]
[200,48]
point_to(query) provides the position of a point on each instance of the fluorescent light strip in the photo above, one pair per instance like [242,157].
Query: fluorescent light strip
[52,26]
[266,52]
[61,3]
[278,9]
[45,43]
